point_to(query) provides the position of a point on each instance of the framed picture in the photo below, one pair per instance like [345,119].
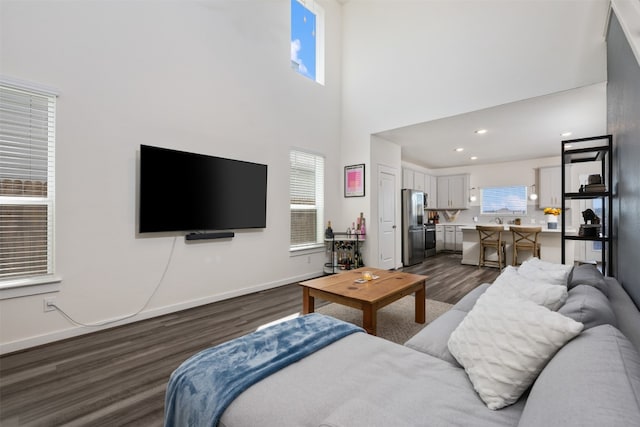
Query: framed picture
[354,181]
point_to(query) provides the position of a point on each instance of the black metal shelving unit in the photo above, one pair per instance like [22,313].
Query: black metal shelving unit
[354,243]
[590,150]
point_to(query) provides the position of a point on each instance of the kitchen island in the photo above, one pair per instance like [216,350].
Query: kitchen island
[550,246]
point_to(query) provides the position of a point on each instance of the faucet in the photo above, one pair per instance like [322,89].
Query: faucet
[498,220]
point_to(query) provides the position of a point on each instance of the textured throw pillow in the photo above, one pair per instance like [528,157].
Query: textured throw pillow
[504,343]
[546,265]
[511,283]
[588,306]
[588,274]
[535,269]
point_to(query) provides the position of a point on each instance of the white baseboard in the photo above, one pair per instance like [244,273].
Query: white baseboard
[23,344]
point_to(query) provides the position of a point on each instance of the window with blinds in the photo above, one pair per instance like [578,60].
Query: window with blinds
[306,199]
[510,200]
[27,137]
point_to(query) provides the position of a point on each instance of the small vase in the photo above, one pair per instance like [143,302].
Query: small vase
[552,222]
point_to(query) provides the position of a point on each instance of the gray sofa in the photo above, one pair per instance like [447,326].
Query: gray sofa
[362,380]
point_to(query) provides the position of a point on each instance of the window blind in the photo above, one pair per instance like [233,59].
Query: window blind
[306,198]
[27,138]
[504,200]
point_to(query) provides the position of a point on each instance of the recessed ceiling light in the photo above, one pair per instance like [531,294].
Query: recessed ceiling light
[565,134]
[481,131]
[459,149]
[474,157]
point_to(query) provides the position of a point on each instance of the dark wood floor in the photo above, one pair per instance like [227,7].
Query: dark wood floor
[118,376]
[449,280]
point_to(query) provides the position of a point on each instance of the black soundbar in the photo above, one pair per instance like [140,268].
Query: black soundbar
[212,235]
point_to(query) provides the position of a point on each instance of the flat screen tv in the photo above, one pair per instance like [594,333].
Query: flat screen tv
[181,191]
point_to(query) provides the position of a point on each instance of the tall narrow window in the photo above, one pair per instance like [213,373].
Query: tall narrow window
[307,39]
[306,199]
[27,138]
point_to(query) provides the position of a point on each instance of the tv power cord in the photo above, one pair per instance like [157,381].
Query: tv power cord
[108,322]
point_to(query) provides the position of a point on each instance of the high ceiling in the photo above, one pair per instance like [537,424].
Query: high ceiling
[521,130]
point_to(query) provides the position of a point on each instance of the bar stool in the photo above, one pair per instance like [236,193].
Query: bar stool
[491,237]
[525,238]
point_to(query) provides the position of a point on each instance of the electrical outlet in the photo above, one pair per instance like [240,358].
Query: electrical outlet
[49,304]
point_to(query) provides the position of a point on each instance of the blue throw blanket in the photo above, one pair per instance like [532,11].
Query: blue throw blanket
[204,385]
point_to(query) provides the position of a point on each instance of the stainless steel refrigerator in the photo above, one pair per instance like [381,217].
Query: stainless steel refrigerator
[412,227]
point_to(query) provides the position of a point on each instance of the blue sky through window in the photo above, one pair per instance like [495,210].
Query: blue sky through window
[303,40]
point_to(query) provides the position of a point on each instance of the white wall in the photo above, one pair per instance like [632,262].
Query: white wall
[210,77]
[407,62]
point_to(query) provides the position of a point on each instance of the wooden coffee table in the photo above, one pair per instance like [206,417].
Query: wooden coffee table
[342,288]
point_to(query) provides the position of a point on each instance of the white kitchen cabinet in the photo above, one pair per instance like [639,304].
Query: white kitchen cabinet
[439,238]
[432,194]
[430,185]
[452,238]
[458,245]
[427,186]
[453,192]
[418,181]
[550,187]
[408,176]
[413,179]
[443,193]
[449,237]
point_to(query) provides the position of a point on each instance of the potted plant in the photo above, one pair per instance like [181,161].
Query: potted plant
[552,217]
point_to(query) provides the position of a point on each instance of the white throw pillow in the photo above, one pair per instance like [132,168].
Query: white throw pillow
[535,269]
[511,283]
[546,265]
[504,343]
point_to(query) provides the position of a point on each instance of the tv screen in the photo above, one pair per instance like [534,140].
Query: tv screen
[181,191]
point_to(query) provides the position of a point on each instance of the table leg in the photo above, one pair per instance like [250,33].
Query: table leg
[369,319]
[308,302]
[420,304]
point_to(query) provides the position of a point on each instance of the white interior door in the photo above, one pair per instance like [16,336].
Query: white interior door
[387,218]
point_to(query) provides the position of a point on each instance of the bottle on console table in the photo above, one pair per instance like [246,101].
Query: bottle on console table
[328,233]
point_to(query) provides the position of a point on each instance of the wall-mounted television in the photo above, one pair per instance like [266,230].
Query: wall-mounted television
[182,191]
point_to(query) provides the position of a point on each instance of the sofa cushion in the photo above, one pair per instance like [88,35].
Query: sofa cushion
[433,339]
[468,301]
[510,282]
[587,274]
[504,342]
[626,311]
[589,306]
[359,412]
[592,381]
[549,272]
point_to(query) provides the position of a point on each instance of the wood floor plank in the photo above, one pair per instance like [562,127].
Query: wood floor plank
[118,376]
[449,280]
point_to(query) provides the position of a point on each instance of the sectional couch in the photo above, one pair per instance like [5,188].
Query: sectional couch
[543,345]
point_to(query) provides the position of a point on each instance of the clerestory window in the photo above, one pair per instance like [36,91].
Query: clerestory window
[307,39]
